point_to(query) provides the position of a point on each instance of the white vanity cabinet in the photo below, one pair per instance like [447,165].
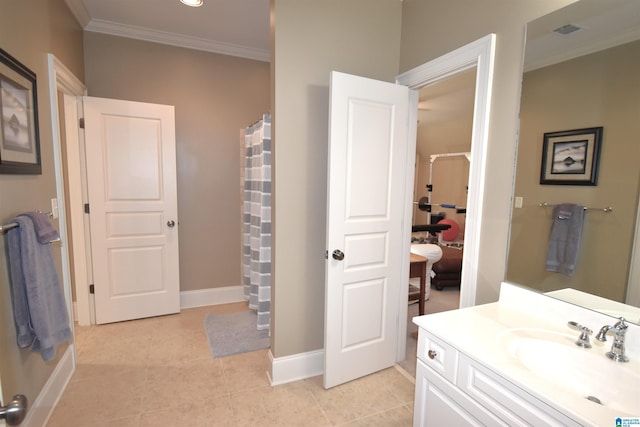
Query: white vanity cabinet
[453,389]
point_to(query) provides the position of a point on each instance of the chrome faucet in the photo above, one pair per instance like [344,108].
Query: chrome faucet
[617,348]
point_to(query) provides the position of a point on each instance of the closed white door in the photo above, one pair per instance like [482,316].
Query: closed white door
[367,181]
[131,178]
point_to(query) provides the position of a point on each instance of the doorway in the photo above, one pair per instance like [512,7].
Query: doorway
[445,121]
[476,58]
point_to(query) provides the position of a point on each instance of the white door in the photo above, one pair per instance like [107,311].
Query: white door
[367,172]
[131,178]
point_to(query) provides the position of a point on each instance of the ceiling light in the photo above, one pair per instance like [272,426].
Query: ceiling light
[192,3]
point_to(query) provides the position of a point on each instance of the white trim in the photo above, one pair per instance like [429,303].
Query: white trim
[63,80]
[79,11]
[295,367]
[82,15]
[41,409]
[213,296]
[173,39]
[409,186]
[404,373]
[478,54]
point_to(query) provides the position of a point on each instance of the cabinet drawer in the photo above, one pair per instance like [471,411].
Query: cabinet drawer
[439,403]
[507,401]
[438,355]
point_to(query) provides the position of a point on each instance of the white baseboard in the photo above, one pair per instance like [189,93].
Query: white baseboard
[40,410]
[296,367]
[212,296]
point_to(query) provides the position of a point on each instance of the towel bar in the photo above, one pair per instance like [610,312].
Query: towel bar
[607,209]
[11,225]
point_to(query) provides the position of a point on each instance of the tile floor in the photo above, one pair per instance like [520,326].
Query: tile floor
[159,372]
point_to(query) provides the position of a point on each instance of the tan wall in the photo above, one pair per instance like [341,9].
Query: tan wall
[311,39]
[215,97]
[431,28]
[595,90]
[28,31]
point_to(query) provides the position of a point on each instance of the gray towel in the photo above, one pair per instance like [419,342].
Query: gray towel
[39,308]
[564,238]
[44,230]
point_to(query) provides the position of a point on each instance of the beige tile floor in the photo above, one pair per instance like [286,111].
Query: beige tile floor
[159,372]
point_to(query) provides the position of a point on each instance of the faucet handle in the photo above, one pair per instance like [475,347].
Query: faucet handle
[583,339]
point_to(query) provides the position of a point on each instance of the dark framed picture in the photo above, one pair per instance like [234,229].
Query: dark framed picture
[571,157]
[19,137]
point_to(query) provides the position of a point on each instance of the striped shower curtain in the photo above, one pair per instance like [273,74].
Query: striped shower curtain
[256,268]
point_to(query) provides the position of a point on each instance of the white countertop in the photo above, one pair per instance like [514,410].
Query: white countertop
[480,331]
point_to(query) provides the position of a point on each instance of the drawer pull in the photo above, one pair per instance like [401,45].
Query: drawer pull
[432,354]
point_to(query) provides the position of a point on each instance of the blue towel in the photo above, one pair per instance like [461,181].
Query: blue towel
[44,230]
[39,308]
[564,238]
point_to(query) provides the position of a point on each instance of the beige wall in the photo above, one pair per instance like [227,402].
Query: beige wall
[28,31]
[595,90]
[311,39]
[215,96]
[431,28]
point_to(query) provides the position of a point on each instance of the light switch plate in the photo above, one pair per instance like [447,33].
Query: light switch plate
[518,202]
[54,208]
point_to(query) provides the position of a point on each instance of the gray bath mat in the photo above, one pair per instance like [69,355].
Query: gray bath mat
[234,333]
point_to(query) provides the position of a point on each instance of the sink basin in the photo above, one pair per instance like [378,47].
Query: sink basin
[554,357]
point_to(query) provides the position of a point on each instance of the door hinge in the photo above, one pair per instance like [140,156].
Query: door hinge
[86,208]
[81,122]
[91,289]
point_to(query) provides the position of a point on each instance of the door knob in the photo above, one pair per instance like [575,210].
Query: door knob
[171,223]
[338,254]
[15,411]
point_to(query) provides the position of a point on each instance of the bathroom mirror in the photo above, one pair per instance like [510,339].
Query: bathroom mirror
[581,70]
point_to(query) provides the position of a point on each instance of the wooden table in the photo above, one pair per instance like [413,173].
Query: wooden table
[418,268]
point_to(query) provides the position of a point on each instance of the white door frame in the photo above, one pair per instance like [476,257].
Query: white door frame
[479,54]
[71,87]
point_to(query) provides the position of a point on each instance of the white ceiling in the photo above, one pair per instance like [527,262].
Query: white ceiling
[603,24]
[231,27]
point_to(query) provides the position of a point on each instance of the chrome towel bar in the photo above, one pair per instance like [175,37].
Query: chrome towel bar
[607,209]
[7,227]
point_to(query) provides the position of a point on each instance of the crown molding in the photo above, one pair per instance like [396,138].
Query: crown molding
[79,11]
[140,33]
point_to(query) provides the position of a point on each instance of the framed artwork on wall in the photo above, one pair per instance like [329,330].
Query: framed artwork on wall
[571,157]
[19,137]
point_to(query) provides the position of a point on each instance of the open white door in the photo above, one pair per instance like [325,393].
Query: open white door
[367,172]
[131,177]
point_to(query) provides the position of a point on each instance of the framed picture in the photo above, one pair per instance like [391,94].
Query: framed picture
[19,138]
[571,157]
